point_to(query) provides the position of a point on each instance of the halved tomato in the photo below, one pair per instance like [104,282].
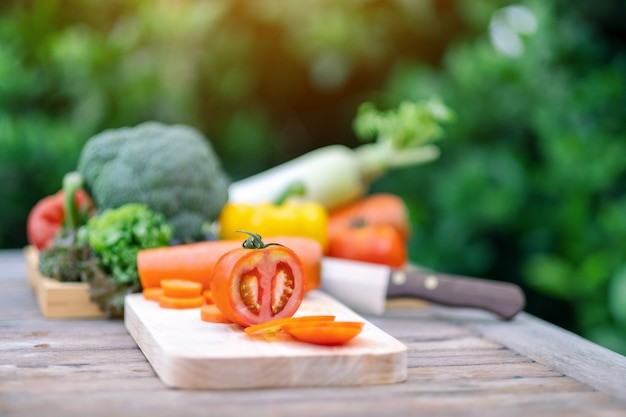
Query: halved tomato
[258,282]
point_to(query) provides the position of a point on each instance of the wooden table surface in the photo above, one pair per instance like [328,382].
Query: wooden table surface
[460,362]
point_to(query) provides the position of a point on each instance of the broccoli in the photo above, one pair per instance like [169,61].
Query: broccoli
[172,169]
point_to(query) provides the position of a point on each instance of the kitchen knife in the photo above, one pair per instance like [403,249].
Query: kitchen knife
[365,287]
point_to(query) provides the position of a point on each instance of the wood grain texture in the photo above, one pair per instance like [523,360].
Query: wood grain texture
[189,353]
[58,299]
[459,363]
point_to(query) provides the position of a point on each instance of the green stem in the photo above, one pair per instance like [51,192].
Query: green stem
[254,241]
[296,188]
[72,181]
[377,158]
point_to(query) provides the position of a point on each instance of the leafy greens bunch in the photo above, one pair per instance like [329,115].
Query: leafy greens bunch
[116,236]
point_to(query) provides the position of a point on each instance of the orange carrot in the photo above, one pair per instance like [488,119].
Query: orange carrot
[379,208]
[181,288]
[208,297]
[210,313]
[180,303]
[274,326]
[195,261]
[152,294]
[328,333]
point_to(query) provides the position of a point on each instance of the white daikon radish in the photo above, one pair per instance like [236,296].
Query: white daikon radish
[335,175]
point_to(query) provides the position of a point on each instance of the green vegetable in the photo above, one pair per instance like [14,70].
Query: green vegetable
[410,125]
[172,169]
[68,260]
[116,236]
[336,175]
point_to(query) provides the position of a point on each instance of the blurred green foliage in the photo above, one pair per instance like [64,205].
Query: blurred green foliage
[263,80]
[531,184]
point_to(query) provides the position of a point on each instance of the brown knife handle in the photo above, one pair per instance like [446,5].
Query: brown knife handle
[502,298]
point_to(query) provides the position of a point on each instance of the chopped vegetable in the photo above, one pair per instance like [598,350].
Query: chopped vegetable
[378,243]
[258,282]
[210,313]
[374,209]
[180,303]
[195,261]
[327,333]
[335,175]
[274,326]
[116,236]
[171,169]
[181,288]
[152,294]
[208,297]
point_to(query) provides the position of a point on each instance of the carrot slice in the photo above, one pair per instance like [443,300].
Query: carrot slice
[212,314]
[274,326]
[208,297]
[328,333]
[181,288]
[180,303]
[152,294]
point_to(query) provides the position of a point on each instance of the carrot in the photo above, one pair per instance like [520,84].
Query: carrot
[195,261]
[208,297]
[211,314]
[181,288]
[274,326]
[180,303]
[327,333]
[375,209]
[152,294]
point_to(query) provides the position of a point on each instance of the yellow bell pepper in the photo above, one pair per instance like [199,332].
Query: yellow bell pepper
[290,218]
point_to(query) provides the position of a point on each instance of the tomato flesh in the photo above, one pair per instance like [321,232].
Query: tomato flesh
[249,292]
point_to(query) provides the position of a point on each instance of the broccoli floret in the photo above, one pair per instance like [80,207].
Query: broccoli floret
[173,169]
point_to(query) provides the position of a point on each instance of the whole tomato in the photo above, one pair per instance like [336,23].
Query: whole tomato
[258,282]
[376,243]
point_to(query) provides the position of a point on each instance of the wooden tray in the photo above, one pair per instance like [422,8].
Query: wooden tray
[189,353]
[58,299]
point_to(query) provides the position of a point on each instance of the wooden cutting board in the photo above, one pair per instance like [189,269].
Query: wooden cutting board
[189,353]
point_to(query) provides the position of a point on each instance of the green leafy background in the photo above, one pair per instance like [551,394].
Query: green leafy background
[531,185]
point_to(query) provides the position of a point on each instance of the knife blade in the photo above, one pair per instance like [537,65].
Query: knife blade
[365,287]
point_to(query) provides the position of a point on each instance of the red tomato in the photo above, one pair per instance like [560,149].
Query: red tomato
[376,243]
[258,283]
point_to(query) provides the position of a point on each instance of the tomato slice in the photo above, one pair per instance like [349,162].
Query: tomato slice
[274,326]
[181,288]
[328,333]
[259,284]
